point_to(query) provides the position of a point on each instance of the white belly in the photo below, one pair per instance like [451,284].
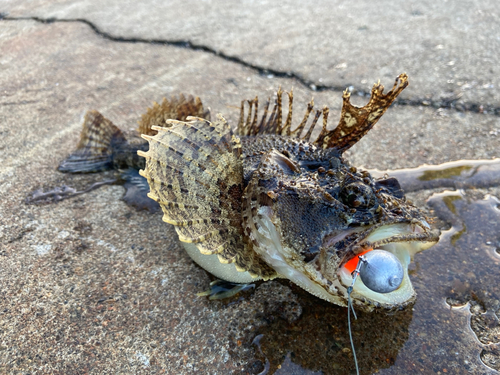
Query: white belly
[211,263]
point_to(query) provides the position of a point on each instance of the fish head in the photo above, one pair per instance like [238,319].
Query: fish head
[309,214]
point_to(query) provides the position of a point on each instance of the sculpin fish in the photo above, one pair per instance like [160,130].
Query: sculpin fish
[103,146]
[264,200]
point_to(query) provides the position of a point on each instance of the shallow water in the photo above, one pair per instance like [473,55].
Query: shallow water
[460,174]
[459,274]
[453,327]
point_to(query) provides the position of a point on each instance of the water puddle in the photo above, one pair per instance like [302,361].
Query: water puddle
[453,327]
[457,285]
[461,174]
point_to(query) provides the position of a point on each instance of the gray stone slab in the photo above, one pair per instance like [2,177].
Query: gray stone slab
[89,285]
[450,48]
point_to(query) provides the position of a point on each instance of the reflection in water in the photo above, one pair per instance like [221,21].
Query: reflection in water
[290,368]
[319,340]
[462,271]
[461,174]
[453,327]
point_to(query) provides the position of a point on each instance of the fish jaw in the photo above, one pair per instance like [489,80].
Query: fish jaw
[332,286]
[404,250]
[269,245]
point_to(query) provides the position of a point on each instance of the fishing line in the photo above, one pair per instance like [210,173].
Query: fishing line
[350,307]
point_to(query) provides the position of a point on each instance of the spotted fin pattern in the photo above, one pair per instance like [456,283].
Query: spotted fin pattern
[177,108]
[195,173]
[354,122]
[94,152]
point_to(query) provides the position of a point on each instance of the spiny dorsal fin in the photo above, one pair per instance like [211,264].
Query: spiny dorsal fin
[94,151]
[176,108]
[354,122]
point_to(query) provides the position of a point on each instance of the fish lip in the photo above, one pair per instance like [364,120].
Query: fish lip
[412,236]
[418,231]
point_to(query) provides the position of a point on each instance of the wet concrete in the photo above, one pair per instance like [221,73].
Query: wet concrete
[90,285]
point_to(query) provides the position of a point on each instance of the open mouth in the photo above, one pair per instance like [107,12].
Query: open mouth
[403,241]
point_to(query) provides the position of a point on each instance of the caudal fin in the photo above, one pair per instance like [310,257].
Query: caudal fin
[94,152]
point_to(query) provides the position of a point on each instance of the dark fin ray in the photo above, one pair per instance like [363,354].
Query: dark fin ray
[241,123]
[287,128]
[264,115]
[278,128]
[177,108]
[307,137]
[324,132]
[94,152]
[298,131]
[272,123]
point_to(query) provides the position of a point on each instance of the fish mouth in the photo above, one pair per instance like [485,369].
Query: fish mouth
[403,240]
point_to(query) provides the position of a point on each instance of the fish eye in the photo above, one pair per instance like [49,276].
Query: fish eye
[381,271]
[357,195]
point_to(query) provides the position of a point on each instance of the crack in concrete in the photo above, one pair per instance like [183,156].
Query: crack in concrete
[444,103]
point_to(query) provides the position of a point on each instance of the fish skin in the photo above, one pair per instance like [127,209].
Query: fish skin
[265,191]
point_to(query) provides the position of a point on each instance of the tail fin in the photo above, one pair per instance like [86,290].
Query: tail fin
[94,152]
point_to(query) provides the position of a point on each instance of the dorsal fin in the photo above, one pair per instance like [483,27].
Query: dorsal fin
[354,122]
[178,107]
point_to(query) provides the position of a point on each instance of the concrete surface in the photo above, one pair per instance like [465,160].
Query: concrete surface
[90,285]
[449,47]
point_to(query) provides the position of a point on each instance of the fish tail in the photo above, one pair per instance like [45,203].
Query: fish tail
[94,152]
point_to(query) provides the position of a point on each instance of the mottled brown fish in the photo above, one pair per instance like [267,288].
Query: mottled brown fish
[103,146]
[265,201]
